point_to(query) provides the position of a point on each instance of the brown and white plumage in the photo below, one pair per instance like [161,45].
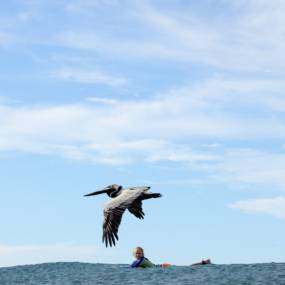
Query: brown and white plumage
[128,198]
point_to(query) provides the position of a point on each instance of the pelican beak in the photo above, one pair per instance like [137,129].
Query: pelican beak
[104,190]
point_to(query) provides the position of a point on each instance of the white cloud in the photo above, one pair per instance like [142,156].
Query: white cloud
[126,48]
[149,150]
[233,167]
[25,16]
[271,206]
[11,255]
[88,77]
[78,5]
[102,100]
[249,167]
[160,128]
[6,100]
[252,39]
[6,39]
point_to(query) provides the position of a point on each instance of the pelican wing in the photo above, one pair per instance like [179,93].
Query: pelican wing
[113,213]
[139,188]
[112,220]
[136,209]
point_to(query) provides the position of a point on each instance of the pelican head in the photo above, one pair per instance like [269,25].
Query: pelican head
[111,190]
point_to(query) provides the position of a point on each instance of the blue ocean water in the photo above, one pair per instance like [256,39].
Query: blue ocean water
[73,273]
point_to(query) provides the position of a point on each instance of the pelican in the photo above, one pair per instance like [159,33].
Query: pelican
[122,199]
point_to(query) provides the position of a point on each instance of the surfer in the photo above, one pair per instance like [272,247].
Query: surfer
[143,262]
[202,262]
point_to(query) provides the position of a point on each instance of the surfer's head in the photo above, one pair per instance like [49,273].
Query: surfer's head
[138,252]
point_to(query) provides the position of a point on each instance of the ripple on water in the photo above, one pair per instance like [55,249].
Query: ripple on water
[62,273]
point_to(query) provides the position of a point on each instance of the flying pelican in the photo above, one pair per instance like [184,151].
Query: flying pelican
[122,199]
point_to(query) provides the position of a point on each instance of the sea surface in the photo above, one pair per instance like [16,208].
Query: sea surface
[72,273]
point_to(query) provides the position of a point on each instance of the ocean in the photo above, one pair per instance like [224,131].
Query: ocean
[74,273]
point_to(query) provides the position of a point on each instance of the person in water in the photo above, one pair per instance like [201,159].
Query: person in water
[143,262]
[203,262]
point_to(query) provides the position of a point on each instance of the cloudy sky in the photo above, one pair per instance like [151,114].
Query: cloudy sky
[184,96]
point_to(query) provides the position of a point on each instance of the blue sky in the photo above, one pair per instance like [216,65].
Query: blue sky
[183,96]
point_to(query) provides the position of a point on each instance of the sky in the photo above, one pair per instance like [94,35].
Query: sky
[184,96]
